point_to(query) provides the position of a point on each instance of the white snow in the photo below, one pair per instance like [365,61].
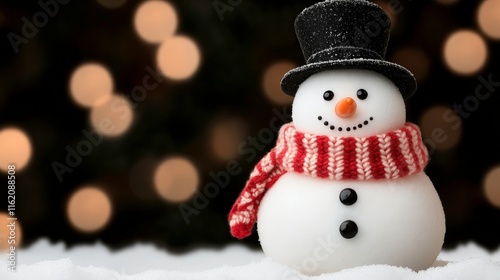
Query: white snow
[46,261]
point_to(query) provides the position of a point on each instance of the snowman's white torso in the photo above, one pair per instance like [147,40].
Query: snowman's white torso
[400,222]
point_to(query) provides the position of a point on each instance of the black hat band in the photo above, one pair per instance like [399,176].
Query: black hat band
[344,52]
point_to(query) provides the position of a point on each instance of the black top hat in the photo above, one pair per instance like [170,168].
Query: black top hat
[345,34]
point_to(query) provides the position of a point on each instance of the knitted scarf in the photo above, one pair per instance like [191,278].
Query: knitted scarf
[391,155]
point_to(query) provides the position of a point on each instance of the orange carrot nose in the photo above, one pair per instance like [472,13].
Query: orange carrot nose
[345,107]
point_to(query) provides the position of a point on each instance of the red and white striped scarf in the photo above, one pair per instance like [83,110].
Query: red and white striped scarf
[391,155]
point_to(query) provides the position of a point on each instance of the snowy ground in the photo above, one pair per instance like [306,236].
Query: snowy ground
[44,261]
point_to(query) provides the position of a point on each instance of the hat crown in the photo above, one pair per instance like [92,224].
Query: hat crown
[343,29]
[345,34]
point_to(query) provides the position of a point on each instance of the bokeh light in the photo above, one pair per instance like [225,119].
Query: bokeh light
[491,186]
[488,18]
[114,117]
[89,209]
[15,148]
[415,60]
[441,128]
[112,4]
[91,84]
[5,232]
[271,82]
[465,52]
[155,21]
[226,135]
[178,57]
[176,179]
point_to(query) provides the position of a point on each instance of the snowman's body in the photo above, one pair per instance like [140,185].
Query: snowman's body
[399,221]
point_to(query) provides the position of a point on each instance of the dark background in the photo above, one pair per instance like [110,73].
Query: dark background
[176,117]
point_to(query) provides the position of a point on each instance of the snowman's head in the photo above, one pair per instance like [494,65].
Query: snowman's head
[348,102]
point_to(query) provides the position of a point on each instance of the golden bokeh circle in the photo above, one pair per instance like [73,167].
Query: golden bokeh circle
[491,186]
[178,57]
[89,209]
[465,52]
[488,18]
[176,179]
[10,237]
[15,148]
[271,82]
[155,21]
[91,84]
[114,117]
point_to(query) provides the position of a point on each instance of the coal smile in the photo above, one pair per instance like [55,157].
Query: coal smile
[349,128]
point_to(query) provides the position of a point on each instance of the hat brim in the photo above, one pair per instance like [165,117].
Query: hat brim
[400,76]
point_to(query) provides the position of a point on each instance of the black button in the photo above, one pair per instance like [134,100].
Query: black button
[348,197]
[348,229]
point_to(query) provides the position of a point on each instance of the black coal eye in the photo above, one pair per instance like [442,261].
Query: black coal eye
[328,95]
[362,94]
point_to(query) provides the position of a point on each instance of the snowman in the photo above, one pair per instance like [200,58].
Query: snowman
[345,184]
